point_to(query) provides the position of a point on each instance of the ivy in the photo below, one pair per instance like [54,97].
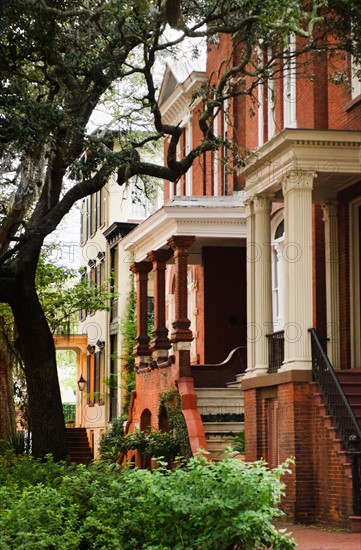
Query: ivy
[170,404]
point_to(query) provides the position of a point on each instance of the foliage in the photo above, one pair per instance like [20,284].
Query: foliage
[239,443]
[62,295]
[208,506]
[128,330]
[154,443]
[170,405]
[112,440]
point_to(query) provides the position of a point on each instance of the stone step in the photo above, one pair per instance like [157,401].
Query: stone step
[223,427]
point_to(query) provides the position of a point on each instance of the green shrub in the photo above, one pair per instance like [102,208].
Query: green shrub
[198,506]
[157,444]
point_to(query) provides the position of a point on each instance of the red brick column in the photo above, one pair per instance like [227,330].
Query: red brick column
[181,335]
[181,325]
[160,343]
[141,270]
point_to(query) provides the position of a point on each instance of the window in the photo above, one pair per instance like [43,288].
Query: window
[215,157]
[355,78]
[277,272]
[187,149]
[271,114]
[98,375]
[289,85]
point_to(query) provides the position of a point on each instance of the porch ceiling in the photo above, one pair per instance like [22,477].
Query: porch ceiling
[333,155]
[214,221]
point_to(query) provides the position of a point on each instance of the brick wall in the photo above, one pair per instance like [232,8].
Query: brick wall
[318,490]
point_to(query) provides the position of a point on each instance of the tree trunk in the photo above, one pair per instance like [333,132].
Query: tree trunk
[37,349]
[7,412]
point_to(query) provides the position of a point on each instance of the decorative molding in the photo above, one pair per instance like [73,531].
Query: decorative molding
[298,179]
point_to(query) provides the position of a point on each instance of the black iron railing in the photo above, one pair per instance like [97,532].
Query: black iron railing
[276,350]
[341,412]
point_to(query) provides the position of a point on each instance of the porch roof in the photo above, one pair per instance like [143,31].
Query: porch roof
[214,221]
[334,156]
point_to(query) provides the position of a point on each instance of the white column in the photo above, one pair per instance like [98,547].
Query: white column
[332,284]
[263,279]
[251,258]
[297,252]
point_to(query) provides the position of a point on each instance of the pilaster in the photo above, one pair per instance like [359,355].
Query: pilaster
[251,260]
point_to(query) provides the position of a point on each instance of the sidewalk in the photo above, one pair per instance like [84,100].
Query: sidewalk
[311,538]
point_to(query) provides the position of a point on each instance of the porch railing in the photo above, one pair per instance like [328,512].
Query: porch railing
[341,412]
[276,350]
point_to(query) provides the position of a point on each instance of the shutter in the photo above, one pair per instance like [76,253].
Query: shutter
[97,376]
[88,373]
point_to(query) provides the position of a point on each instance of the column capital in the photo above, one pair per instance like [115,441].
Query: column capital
[329,209]
[141,267]
[160,256]
[181,241]
[248,205]
[297,179]
[262,203]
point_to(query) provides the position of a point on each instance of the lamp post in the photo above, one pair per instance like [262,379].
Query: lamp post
[81,385]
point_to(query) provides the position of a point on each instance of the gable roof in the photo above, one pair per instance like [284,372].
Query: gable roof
[177,73]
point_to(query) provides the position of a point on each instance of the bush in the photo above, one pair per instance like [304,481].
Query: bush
[198,506]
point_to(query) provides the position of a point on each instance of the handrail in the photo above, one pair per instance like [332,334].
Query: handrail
[219,374]
[341,413]
[321,365]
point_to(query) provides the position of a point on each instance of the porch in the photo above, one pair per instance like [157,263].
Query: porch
[303,197]
[193,252]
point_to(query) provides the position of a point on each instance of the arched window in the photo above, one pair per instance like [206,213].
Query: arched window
[277,272]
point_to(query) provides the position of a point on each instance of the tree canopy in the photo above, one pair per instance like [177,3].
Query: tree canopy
[57,60]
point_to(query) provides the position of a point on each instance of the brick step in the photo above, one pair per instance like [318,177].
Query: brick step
[78,445]
[351,388]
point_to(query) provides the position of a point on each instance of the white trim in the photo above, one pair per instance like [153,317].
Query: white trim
[355,280]
[271,113]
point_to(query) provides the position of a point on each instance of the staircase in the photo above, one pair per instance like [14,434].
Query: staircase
[222,412]
[350,381]
[78,445]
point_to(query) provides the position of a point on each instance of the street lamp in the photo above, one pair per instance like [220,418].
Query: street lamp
[81,383]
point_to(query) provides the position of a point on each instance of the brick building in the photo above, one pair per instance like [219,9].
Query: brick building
[244,262]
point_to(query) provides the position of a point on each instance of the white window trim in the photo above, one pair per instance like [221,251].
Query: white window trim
[278,292]
[215,159]
[189,175]
[355,276]
[355,81]
[271,113]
